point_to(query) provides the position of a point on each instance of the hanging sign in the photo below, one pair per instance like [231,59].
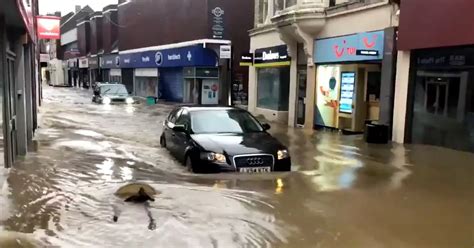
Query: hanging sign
[48,27]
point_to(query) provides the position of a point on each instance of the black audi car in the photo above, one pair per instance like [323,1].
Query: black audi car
[218,139]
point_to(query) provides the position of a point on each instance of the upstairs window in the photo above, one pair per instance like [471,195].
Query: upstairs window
[262,11]
[283,4]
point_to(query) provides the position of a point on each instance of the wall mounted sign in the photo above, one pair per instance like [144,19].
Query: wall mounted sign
[347,92]
[48,27]
[445,57]
[83,63]
[217,20]
[356,47]
[44,58]
[225,52]
[246,59]
[177,57]
[272,56]
[94,62]
[110,61]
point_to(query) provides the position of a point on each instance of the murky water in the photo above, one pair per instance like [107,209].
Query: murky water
[342,192]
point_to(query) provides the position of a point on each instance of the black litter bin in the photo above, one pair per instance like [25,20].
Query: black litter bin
[376,133]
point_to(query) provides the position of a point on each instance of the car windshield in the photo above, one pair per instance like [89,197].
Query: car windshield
[113,89]
[224,121]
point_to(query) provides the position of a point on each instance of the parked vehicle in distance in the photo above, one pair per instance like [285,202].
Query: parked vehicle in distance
[219,139]
[105,93]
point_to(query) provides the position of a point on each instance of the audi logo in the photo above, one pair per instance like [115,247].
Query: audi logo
[255,161]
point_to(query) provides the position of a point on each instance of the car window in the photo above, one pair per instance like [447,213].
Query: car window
[113,89]
[184,119]
[175,115]
[224,121]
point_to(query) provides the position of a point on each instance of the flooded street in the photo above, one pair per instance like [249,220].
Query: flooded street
[342,192]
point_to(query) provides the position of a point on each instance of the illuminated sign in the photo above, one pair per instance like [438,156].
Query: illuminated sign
[272,56]
[246,59]
[356,47]
[347,92]
[48,27]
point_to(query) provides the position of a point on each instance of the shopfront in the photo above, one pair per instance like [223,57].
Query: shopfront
[441,98]
[348,80]
[94,71]
[73,72]
[84,72]
[272,66]
[176,75]
[110,68]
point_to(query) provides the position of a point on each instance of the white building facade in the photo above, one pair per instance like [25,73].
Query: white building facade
[294,82]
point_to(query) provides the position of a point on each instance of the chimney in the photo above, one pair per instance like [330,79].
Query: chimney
[78,8]
[57,13]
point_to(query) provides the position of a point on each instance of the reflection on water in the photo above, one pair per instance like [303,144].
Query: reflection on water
[341,193]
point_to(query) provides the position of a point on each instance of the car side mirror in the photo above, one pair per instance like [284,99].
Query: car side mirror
[180,128]
[266,126]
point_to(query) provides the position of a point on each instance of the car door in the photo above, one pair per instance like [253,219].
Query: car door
[182,138]
[168,129]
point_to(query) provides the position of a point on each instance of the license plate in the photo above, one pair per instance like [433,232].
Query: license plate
[255,170]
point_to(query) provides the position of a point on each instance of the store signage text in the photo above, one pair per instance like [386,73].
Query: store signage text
[176,57]
[357,47]
[271,55]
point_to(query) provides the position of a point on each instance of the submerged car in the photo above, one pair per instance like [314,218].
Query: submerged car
[111,93]
[219,139]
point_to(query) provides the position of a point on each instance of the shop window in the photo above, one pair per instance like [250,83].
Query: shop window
[146,86]
[115,79]
[373,86]
[441,111]
[273,88]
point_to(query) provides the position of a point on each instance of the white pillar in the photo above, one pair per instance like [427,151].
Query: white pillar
[293,96]
[252,90]
[401,95]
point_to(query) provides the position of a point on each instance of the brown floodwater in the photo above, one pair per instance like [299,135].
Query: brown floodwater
[342,192]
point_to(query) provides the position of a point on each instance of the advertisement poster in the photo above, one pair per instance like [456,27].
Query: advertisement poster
[327,91]
[210,92]
[347,92]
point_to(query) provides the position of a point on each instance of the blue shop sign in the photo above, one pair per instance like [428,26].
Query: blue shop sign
[356,47]
[178,57]
[110,61]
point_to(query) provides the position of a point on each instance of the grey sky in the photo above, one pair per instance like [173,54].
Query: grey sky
[66,6]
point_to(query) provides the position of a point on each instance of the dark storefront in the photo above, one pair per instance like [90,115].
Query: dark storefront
[84,72]
[273,77]
[94,70]
[19,57]
[442,97]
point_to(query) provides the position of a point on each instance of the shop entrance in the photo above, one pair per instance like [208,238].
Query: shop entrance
[440,110]
[10,89]
[301,107]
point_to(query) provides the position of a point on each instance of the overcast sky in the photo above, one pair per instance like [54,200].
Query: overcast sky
[66,6]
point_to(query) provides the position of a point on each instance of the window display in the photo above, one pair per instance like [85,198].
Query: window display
[327,91]
[273,88]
